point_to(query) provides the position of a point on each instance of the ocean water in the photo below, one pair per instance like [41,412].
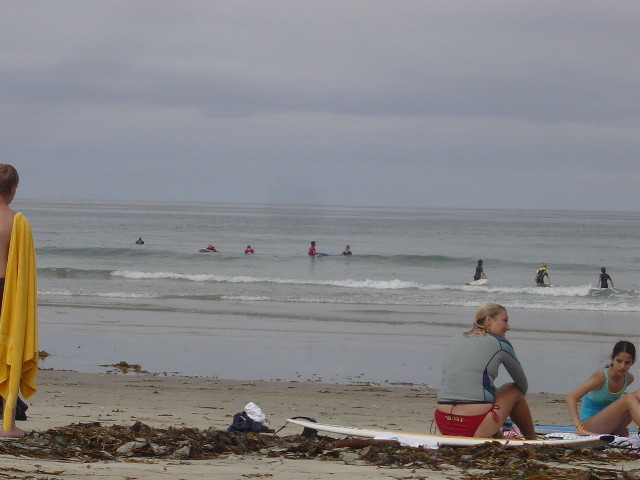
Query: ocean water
[402,257]
[282,314]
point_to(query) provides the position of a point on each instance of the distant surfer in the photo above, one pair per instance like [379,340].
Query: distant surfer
[312,249]
[249,250]
[605,408]
[139,241]
[540,274]
[604,279]
[479,271]
[211,248]
[469,405]
[347,250]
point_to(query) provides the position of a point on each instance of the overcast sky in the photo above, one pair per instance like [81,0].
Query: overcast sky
[505,104]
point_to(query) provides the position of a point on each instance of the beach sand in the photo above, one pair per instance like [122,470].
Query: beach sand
[66,397]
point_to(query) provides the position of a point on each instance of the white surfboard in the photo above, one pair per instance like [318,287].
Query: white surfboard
[480,281]
[435,441]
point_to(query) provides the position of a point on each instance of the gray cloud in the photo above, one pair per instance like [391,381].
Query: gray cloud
[488,104]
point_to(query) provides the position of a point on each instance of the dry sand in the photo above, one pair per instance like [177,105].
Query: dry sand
[66,397]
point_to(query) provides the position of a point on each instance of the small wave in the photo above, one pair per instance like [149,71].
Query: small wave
[246,298]
[569,291]
[66,272]
[68,293]
[348,283]
[165,275]
[394,284]
[578,307]
[432,302]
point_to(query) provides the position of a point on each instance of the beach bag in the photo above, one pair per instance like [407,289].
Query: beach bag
[242,422]
[251,419]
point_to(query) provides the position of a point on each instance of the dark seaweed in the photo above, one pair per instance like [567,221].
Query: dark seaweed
[93,442]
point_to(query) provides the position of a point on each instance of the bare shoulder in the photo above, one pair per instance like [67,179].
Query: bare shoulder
[6,221]
[595,381]
[598,377]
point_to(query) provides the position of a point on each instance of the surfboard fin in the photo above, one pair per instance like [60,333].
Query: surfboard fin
[307,432]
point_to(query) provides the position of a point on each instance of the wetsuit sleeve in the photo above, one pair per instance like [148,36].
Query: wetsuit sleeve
[513,366]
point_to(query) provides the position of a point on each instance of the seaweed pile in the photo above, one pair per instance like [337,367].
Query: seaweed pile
[89,442]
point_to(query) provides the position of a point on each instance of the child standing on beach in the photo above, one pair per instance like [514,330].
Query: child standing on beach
[18,330]
[605,409]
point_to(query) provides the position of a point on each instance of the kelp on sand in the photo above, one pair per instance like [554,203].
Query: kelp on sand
[89,442]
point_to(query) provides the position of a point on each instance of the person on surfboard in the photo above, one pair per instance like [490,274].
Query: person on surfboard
[605,408]
[468,403]
[479,271]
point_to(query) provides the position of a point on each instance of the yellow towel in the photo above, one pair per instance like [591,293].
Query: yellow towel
[18,324]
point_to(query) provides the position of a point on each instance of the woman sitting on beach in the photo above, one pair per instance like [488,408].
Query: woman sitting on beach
[604,407]
[468,403]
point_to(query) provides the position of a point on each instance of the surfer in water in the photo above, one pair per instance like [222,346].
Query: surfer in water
[540,274]
[468,403]
[479,271]
[347,250]
[604,278]
[605,409]
[312,249]
[249,250]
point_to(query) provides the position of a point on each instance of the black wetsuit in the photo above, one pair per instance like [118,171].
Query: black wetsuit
[604,280]
[478,274]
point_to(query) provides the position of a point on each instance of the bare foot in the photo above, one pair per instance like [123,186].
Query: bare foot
[15,432]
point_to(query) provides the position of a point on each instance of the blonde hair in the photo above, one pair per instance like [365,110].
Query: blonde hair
[482,312]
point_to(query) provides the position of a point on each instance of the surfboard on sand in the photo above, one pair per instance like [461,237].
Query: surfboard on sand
[434,441]
[480,281]
[564,428]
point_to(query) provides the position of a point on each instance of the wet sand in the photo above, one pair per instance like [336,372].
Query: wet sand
[66,397]
[334,344]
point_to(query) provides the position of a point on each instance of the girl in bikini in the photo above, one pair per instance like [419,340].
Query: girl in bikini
[468,403]
[605,408]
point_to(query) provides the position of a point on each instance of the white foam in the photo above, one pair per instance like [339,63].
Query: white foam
[348,283]
[68,293]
